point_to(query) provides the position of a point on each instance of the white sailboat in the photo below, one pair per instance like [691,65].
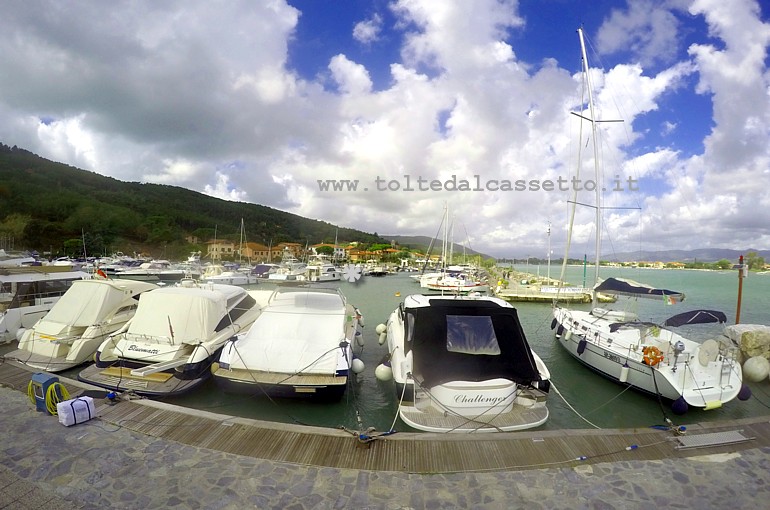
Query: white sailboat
[649,357]
[452,279]
[230,275]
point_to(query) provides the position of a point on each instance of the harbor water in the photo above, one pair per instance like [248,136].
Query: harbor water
[579,398]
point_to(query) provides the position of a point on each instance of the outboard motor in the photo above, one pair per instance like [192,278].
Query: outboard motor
[678,349]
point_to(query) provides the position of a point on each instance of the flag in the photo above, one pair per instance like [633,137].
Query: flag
[101,273]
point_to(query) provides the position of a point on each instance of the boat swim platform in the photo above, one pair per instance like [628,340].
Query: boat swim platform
[409,452]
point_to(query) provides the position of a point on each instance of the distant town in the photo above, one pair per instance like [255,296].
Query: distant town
[752,260]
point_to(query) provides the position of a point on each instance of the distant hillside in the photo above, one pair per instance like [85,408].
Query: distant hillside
[700,255]
[44,204]
[423,242]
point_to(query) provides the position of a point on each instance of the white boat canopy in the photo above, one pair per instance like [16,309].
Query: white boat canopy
[181,315]
[87,302]
[297,331]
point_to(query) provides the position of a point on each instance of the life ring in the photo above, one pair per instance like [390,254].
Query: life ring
[652,355]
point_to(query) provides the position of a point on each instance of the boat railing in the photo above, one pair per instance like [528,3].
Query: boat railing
[729,356]
[149,339]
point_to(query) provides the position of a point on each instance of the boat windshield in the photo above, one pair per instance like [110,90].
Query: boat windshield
[471,334]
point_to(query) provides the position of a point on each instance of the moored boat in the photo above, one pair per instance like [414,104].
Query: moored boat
[69,334]
[26,297]
[647,356]
[651,357]
[463,365]
[169,345]
[304,343]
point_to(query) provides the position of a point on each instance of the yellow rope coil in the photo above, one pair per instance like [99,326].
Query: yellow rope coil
[52,396]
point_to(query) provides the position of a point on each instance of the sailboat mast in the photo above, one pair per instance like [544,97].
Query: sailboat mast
[549,253]
[240,247]
[598,244]
[446,233]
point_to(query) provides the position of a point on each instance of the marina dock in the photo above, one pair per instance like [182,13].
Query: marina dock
[352,468]
[521,286]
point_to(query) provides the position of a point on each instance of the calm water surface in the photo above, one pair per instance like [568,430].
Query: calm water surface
[371,403]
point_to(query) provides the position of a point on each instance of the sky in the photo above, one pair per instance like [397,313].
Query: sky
[420,105]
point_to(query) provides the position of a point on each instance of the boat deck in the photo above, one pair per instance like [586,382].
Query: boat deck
[121,379]
[260,377]
[404,452]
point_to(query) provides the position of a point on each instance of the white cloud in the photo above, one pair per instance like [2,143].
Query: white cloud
[222,189]
[368,31]
[351,78]
[176,92]
[647,28]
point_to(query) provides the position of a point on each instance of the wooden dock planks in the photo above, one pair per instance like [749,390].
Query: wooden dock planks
[405,452]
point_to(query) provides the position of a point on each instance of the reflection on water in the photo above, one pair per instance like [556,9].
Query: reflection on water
[372,403]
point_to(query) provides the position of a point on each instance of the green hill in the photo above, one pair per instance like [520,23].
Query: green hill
[46,205]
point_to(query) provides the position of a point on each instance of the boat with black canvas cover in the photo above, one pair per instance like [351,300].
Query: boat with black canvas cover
[462,364]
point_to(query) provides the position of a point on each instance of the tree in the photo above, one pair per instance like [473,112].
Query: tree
[754,261]
[325,250]
[724,264]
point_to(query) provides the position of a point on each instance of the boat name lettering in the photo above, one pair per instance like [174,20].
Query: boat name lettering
[612,357]
[465,399]
[141,349]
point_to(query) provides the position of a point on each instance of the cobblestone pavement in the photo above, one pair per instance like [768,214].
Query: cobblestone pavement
[96,465]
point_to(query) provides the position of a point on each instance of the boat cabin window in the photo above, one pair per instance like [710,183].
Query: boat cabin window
[246,304]
[471,334]
[409,330]
[27,292]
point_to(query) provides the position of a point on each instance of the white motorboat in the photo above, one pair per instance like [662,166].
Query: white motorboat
[304,343]
[169,345]
[463,364]
[26,297]
[290,269]
[153,271]
[323,272]
[69,334]
[651,357]
[217,273]
[15,259]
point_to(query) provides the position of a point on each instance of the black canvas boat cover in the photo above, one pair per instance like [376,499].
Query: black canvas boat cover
[623,287]
[439,337]
[696,317]
[681,319]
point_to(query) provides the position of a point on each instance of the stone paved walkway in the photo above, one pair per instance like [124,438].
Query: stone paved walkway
[96,465]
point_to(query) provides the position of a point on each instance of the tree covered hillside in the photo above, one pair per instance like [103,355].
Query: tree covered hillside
[46,205]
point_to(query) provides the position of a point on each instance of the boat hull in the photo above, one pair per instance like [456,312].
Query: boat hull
[501,409]
[256,383]
[55,356]
[676,378]
[118,377]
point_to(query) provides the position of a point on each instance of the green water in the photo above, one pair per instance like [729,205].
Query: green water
[371,403]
